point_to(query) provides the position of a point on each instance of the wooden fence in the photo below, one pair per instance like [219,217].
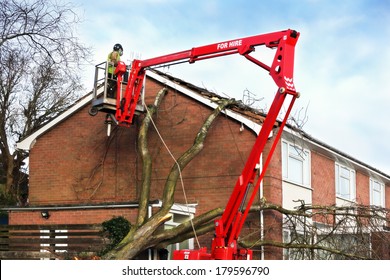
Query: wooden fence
[51,241]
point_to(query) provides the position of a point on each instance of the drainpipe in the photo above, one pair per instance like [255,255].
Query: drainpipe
[261,214]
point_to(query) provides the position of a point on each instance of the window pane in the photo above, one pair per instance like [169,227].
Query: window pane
[376,198]
[376,193]
[295,151]
[344,189]
[376,186]
[184,245]
[295,170]
[344,172]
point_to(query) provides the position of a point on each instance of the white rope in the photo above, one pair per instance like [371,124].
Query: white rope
[180,175]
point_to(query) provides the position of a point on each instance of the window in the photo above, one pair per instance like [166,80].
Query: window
[295,164]
[345,182]
[377,193]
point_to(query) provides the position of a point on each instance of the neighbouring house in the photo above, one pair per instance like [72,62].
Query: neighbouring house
[79,175]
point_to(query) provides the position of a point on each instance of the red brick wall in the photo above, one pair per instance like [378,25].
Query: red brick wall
[272,185]
[75,162]
[322,179]
[323,183]
[272,188]
[362,188]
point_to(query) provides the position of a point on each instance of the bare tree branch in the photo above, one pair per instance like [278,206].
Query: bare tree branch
[40,58]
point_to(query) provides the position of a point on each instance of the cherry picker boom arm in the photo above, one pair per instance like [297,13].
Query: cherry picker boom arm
[228,227]
[281,69]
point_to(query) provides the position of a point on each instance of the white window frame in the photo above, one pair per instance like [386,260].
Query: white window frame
[378,187]
[292,152]
[351,178]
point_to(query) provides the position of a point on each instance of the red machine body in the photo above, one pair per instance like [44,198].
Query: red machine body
[228,227]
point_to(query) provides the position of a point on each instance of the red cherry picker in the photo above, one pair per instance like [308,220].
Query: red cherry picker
[228,227]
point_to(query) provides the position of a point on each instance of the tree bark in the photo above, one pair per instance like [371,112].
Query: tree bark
[146,159]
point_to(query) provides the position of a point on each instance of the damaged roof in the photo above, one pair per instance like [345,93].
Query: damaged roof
[239,107]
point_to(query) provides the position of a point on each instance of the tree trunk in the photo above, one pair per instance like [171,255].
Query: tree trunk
[146,159]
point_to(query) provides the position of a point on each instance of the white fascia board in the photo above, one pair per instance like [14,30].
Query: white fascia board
[27,143]
[255,127]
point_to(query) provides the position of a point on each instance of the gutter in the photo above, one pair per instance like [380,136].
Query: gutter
[70,207]
[176,207]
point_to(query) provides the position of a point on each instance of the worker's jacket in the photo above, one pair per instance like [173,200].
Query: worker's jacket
[113,58]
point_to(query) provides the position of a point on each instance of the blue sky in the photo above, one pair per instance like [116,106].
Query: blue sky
[340,66]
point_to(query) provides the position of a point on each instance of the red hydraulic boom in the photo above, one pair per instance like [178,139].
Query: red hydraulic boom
[228,227]
[281,69]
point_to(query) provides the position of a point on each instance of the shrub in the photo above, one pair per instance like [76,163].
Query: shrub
[115,229]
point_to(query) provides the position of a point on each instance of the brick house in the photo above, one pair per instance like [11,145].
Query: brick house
[81,176]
